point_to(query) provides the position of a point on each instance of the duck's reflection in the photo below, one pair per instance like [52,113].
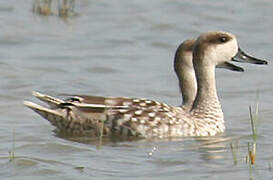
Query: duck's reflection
[212,148]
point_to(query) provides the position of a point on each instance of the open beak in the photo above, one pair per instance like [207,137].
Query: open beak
[241,56]
[232,67]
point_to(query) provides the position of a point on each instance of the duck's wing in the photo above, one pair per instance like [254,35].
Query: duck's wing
[53,102]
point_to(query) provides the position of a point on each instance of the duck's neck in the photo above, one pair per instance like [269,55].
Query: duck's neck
[186,77]
[188,87]
[206,104]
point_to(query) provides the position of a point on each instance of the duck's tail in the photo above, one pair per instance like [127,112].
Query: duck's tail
[53,116]
[63,115]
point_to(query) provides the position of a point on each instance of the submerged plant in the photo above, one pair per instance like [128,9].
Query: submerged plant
[12,151]
[233,148]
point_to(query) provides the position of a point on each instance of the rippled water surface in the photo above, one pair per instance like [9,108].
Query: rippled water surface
[126,48]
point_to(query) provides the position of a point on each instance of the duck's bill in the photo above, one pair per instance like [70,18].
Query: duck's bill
[241,56]
[230,66]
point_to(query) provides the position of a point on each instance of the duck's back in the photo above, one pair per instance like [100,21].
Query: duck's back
[88,115]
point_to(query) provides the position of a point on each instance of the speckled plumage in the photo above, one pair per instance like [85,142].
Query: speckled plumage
[86,115]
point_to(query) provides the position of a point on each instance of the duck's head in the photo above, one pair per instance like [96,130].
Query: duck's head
[183,56]
[218,49]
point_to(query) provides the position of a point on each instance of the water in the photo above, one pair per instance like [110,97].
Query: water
[126,48]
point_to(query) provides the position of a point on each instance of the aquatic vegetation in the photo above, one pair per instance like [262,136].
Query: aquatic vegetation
[234,148]
[254,118]
[62,8]
[66,8]
[12,151]
[42,7]
[252,146]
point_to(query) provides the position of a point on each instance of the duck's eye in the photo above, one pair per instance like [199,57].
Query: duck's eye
[223,39]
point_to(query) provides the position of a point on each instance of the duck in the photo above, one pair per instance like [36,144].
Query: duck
[145,118]
[185,73]
[183,67]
